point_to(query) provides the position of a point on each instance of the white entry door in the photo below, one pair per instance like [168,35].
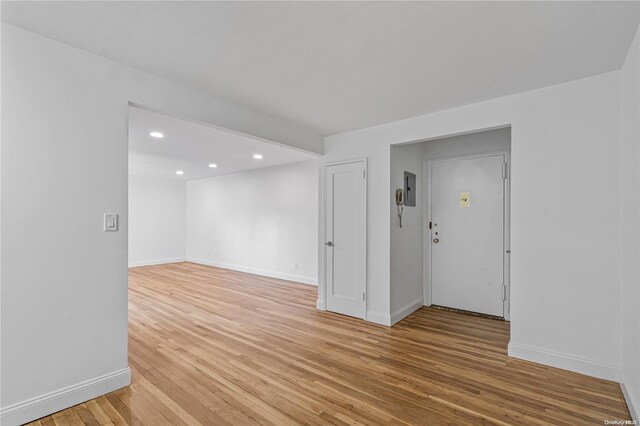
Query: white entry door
[345,242]
[467,233]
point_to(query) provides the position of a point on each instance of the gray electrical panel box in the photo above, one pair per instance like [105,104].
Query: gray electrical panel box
[410,189]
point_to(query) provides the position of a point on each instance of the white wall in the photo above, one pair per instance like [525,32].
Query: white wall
[475,143]
[565,283]
[157,220]
[406,242]
[64,164]
[630,226]
[263,221]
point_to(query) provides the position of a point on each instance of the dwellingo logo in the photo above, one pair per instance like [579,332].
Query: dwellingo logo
[621,422]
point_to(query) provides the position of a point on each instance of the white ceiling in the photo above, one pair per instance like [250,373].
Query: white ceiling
[190,147]
[337,66]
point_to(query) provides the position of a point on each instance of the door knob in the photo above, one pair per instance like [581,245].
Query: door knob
[436,240]
[329,243]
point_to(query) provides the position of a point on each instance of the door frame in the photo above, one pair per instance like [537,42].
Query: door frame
[506,270]
[322,292]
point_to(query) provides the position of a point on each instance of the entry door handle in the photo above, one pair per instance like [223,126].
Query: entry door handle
[328,243]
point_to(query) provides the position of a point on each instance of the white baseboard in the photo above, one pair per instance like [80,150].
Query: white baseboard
[266,273]
[321,305]
[407,310]
[565,361]
[155,262]
[379,318]
[35,408]
[629,398]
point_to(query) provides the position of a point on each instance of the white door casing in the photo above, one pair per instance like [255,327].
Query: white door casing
[345,238]
[467,244]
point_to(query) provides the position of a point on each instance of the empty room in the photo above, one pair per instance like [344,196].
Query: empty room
[216,197]
[327,213]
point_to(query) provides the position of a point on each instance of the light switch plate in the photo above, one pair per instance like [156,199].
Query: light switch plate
[110,222]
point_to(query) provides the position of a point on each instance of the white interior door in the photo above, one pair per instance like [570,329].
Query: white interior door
[345,242]
[467,233]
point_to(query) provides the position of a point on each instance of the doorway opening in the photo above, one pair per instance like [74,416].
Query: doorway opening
[205,195]
[450,248]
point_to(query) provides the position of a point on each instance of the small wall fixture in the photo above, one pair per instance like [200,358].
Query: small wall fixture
[409,189]
[257,156]
[156,135]
[179,172]
[400,199]
[213,165]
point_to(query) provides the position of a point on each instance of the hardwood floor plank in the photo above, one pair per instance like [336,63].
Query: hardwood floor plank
[209,346]
[98,413]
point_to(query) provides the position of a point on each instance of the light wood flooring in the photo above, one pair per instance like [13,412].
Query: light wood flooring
[216,347]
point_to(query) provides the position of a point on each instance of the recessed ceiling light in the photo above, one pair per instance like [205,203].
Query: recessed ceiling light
[179,172]
[156,135]
[257,156]
[212,165]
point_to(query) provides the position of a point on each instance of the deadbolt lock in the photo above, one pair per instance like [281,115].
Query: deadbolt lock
[436,240]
